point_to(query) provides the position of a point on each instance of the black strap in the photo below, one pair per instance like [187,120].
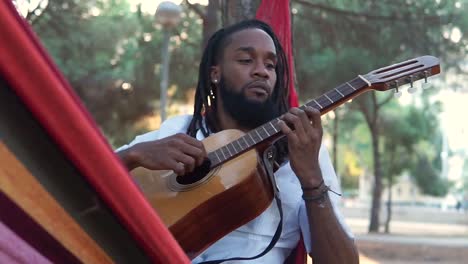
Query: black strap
[268,159]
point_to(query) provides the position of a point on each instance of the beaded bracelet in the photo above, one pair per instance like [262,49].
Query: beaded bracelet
[323,190]
[320,196]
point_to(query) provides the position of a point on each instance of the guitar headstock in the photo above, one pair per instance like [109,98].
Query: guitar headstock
[393,76]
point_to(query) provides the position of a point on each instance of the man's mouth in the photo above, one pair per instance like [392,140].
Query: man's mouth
[259,89]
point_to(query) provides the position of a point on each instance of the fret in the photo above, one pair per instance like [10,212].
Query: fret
[235,151]
[259,137]
[334,96]
[246,143]
[365,80]
[263,134]
[240,147]
[268,134]
[216,153]
[323,101]
[315,101]
[251,138]
[351,86]
[346,88]
[342,95]
[229,151]
[329,98]
[222,152]
[274,128]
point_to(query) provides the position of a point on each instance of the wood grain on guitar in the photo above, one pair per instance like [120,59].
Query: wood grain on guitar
[233,187]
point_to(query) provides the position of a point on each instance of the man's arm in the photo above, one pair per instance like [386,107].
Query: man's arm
[329,242]
[129,158]
[180,153]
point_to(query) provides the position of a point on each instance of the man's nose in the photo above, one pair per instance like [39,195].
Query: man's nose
[261,71]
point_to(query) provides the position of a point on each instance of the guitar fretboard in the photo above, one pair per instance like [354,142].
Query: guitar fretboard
[323,103]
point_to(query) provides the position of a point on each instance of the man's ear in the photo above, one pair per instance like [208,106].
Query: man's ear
[215,74]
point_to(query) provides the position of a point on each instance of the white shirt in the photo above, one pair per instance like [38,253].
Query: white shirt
[253,237]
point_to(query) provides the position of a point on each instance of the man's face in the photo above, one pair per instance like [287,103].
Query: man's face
[248,77]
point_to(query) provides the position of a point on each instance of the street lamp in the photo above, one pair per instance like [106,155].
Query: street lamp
[168,15]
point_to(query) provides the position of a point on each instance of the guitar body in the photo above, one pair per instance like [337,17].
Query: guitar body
[200,213]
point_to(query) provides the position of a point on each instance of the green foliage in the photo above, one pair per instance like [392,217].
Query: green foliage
[428,179]
[411,139]
[102,46]
[334,41]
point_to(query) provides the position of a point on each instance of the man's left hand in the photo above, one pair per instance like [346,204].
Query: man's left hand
[303,129]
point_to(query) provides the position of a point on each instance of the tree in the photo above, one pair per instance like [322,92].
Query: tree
[210,17]
[111,58]
[236,11]
[404,130]
[336,40]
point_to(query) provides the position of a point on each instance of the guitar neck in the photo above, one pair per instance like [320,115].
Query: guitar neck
[271,131]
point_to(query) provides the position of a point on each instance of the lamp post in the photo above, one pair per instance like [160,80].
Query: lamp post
[168,15]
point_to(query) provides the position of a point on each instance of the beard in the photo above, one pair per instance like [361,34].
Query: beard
[248,113]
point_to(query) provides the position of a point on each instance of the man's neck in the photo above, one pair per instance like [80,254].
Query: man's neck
[227,122]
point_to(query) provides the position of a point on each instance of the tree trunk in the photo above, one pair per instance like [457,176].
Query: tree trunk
[389,204]
[210,21]
[377,192]
[236,11]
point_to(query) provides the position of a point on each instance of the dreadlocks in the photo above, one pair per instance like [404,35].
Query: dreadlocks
[205,95]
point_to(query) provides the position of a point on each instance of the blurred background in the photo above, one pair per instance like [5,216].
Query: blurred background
[402,162]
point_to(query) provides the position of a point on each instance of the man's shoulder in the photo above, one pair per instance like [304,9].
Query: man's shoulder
[174,125]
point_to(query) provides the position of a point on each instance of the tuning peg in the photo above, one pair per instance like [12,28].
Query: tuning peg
[425,84]
[412,89]
[397,92]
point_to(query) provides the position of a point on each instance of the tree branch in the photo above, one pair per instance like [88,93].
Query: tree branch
[367,16]
[363,109]
[386,100]
[196,8]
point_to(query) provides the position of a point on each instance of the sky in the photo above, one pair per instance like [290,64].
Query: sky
[454,122]
[150,6]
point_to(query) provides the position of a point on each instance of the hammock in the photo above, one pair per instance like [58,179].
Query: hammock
[39,104]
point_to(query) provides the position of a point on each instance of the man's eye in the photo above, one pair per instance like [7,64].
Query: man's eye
[270,66]
[245,61]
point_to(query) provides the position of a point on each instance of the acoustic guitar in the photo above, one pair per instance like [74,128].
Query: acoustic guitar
[231,187]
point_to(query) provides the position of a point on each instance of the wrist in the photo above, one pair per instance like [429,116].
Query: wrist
[312,187]
[317,194]
[129,157]
[312,180]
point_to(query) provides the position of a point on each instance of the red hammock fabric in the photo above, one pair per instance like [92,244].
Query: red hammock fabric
[27,67]
[277,14]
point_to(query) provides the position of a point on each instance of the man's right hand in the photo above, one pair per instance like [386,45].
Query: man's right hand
[180,153]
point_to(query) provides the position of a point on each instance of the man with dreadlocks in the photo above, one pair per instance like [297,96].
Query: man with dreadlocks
[243,80]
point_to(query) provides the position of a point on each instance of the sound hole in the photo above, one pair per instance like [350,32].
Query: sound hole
[197,174]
